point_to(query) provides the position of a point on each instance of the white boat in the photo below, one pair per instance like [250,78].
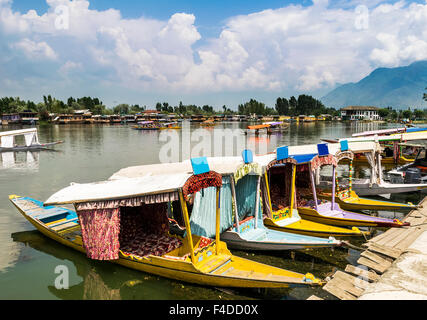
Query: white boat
[7,141]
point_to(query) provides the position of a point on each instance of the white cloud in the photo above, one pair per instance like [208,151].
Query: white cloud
[35,50]
[293,48]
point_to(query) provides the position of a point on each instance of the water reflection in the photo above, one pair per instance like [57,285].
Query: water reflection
[20,160]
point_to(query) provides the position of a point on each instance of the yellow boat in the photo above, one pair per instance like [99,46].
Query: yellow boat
[288,218]
[349,200]
[112,208]
[282,173]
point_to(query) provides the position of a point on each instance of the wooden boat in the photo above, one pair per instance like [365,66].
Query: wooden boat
[325,212]
[208,123]
[349,200]
[233,167]
[139,239]
[170,126]
[7,141]
[331,212]
[376,185]
[241,199]
[146,125]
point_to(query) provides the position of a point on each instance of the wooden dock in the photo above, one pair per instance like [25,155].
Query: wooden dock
[381,251]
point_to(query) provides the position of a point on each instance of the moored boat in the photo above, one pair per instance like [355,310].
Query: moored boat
[7,141]
[329,212]
[133,213]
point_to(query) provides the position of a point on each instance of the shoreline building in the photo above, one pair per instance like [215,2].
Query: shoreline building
[360,113]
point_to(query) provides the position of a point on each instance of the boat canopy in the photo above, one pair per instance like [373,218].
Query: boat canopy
[409,136]
[7,138]
[145,122]
[146,189]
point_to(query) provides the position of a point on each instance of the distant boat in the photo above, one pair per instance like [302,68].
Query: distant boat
[146,125]
[7,141]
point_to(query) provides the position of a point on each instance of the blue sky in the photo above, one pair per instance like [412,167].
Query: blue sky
[202,52]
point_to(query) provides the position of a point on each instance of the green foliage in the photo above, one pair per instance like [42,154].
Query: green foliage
[255,107]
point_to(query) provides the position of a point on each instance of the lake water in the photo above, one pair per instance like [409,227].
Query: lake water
[93,153]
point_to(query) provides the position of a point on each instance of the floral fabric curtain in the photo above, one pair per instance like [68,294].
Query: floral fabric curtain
[100,233]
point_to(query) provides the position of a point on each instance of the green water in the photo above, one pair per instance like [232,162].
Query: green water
[93,153]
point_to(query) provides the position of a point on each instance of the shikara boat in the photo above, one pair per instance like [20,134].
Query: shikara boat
[244,176]
[392,141]
[347,199]
[146,125]
[7,141]
[170,126]
[126,222]
[241,200]
[208,123]
[322,211]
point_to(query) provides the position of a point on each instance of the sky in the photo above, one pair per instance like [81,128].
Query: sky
[201,52]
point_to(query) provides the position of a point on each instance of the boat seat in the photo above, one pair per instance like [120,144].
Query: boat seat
[51,215]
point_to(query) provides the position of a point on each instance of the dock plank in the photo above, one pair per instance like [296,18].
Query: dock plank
[313,297]
[356,282]
[380,268]
[404,234]
[388,235]
[387,251]
[412,236]
[369,275]
[375,257]
[338,292]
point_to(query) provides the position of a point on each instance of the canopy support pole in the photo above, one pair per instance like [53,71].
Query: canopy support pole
[334,182]
[268,192]
[236,213]
[257,201]
[218,216]
[187,226]
[313,188]
[293,195]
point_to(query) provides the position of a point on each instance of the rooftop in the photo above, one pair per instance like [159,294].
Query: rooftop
[360,108]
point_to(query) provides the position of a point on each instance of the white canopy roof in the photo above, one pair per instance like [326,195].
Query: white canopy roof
[420,135]
[229,165]
[18,132]
[118,189]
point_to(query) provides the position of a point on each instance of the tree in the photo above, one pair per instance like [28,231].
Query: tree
[282,106]
[407,114]
[384,112]
[418,114]
[293,103]
[425,96]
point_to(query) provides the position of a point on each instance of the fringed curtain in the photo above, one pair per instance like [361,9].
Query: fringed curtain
[197,182]
[100,233]
[246,194]
[203,215]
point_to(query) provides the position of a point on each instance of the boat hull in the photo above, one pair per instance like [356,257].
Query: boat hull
[273,240]
[222,270]
[354,202]
[315,229]
[29,148]
[346,218]
[365,189]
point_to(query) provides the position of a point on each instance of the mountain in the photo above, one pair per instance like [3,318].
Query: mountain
[399,88]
